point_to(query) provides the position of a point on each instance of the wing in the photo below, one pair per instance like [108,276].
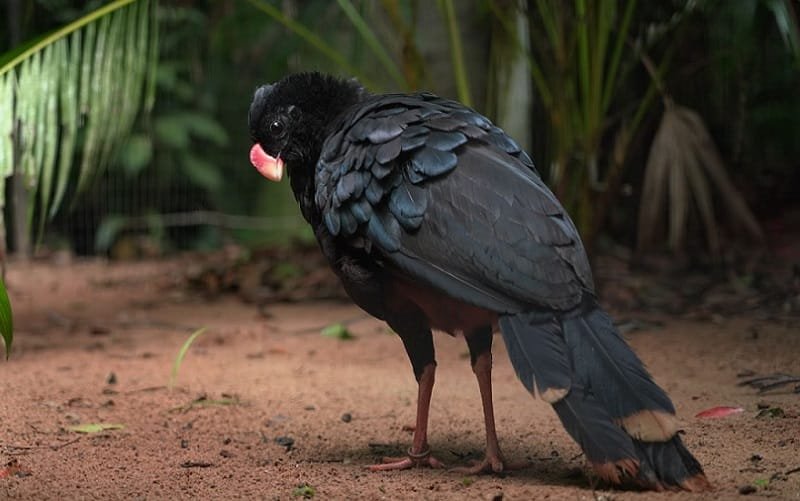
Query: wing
[433,189]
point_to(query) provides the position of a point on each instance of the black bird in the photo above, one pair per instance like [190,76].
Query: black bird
[434,218]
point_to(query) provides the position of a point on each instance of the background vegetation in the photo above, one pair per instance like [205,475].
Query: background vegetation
[585,85]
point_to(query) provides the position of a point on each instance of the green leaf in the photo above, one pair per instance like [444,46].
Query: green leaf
[338,331]
[761,482]
[41,42]
[176,365]
[108,231]
[172,130]
[205,127]
[6,319]
[136,154]
[201,172]
[304,490]
[76,89]
[95,427]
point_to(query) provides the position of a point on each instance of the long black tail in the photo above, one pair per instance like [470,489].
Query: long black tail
[604,396]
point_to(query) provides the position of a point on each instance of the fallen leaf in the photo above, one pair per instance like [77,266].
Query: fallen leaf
[338,331]
[95,427]
[304,490]
[771,412]
[719,412]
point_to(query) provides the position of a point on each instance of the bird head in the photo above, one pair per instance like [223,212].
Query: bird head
[289,121]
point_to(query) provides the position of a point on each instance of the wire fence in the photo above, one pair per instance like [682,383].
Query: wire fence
[149,216]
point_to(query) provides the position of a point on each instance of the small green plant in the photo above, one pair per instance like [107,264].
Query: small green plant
[338,331]
[761,482]
[176,365]
[304,490]
[771,412]
[6,319]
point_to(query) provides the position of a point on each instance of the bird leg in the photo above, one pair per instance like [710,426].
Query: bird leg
[413,329]
[480,348]
[420,453]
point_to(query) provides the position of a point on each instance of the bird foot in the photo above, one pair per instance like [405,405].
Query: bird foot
[413,459]
[490,464]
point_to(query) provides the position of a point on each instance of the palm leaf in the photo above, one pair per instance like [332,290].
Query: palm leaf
[683,166]
[88,79]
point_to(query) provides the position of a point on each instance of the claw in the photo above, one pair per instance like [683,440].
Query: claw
[413,459]
[490,464]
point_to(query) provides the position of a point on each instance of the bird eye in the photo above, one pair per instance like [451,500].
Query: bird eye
[276,127]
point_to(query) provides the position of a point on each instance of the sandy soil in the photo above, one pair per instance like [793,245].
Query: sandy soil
[264,404]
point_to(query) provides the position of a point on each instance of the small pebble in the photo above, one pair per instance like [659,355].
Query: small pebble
[347,417]
[747,489]
[284,441]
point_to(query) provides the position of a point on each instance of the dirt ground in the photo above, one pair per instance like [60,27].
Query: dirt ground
[263,404]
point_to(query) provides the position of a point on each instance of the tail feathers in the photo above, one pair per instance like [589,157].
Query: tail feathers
[604,362]
[619,459]
[605,398]
[669,465]
[607,447]
[539,354]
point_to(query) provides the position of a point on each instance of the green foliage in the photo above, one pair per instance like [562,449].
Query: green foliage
[751,80]
[136,154]
[403,68]
[72,97]
[337,331]
[6,319]
[169,151]
[304,491]
[784,12]
[176,364]
[110,228]
[578,50]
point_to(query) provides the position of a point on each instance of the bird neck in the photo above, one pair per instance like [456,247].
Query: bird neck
[325,102]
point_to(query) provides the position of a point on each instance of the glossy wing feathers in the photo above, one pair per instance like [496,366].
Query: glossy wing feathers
[493,234]
[420,135]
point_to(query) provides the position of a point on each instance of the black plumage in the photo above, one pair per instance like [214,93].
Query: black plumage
[434,218]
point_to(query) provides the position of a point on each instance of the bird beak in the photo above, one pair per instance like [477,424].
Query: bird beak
[269,167]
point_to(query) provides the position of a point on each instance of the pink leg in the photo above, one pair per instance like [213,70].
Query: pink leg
[419,454]
[493,461]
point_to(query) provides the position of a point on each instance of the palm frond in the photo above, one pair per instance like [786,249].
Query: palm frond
[70,99]
[682,167]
